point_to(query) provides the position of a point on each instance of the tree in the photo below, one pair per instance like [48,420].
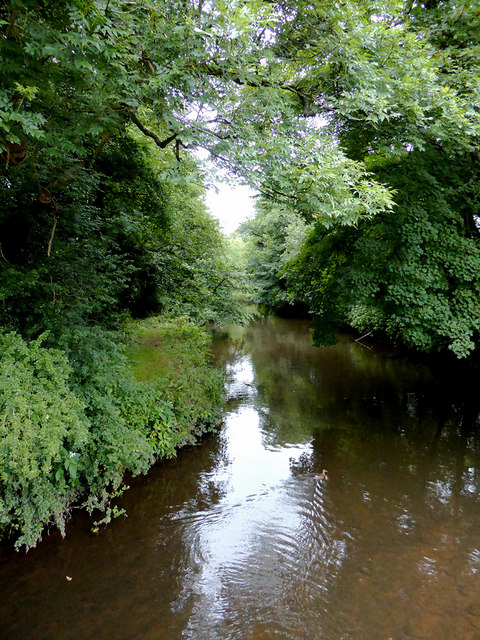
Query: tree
[398,88]
[195,275]
[413,276]
[273,237]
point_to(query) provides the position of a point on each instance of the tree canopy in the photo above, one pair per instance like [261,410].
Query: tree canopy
[188,75]
[397,86]
[269,88]
[413,276]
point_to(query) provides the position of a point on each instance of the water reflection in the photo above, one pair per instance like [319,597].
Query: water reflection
[236,539]
[392,534]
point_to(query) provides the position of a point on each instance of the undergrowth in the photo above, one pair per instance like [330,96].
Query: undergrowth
[75,417]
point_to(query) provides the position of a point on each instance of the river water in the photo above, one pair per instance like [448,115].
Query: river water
[237,539]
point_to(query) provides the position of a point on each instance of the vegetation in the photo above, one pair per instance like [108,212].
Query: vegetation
[69,431]
[271,240]
[414,276]
[335,113]
[408,107]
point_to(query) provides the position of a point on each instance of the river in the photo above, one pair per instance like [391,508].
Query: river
[238,539]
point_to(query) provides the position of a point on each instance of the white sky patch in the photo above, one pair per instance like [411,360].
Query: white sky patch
[231,204]
[228,200]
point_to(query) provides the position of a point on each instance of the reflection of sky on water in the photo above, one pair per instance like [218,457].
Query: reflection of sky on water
[269,538]
[305,558]
[253,468]
[240,376]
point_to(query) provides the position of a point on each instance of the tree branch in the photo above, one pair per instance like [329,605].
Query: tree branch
[52,234]
[218,284]
[106,135]
[151,134]
[13,18]
[261,82]
[2,254]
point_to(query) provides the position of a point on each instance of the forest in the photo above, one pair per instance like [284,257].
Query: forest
[358,124]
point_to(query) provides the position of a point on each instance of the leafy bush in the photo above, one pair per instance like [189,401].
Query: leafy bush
[43,433]
[117,441]
[75,418]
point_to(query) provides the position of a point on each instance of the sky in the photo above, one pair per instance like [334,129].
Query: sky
[231,205]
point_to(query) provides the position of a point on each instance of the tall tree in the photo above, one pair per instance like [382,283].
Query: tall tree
[413,276]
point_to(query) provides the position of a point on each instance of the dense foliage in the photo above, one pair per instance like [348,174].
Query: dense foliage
[73,415]
[413,276]
[271,239]
[398,87]
[70,430]
[325,108]
[185,74]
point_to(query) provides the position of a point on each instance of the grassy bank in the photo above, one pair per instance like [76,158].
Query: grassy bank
[75,419]
[171,356]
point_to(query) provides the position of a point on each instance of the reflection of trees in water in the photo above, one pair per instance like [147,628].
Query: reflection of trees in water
[403,524]
[307,388]
[401,442]
[347,394]
[407,492]
[412,526]
[392,535]
[190,491]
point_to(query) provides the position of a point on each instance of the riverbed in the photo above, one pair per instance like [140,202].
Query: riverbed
[244,537]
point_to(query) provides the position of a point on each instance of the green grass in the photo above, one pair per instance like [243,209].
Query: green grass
[152,356]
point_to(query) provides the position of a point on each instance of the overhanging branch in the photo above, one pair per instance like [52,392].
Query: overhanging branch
[257,82]
[151,134]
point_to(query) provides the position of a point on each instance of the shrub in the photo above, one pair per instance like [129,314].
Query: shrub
[75,418]
[43,434]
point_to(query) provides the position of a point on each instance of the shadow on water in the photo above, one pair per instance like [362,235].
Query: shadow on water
[236,538]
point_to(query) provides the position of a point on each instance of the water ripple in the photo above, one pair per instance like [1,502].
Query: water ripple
[272,557]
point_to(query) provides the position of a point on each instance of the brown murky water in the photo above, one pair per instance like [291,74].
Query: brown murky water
[236,539]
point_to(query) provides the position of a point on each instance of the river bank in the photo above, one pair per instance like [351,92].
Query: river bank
[71,429]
